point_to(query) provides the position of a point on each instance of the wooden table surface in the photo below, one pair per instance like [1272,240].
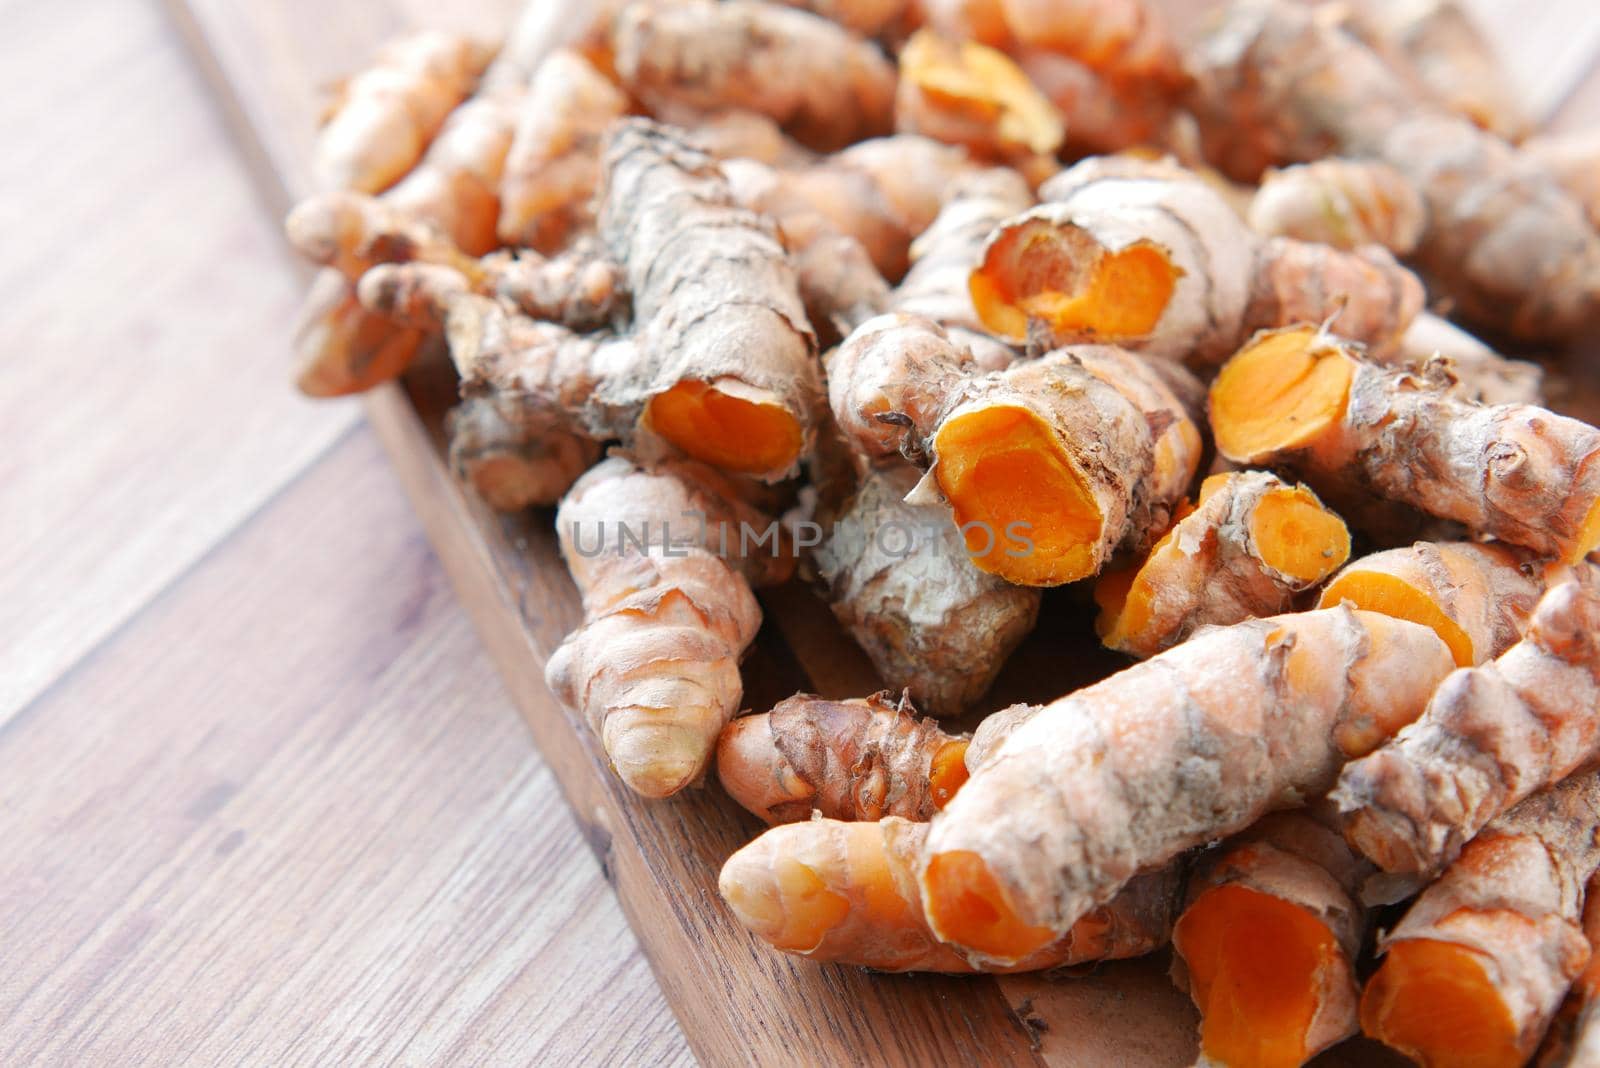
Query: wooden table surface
[263,800]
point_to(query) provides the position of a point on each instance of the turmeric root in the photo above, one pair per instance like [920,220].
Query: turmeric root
[655,667]
[1267,943]
[1477,372]
[1574,1036]
[1438,45]
[1101,115]
[1477,597]
[728,369]
[897,576]
[1302,399]
[1253,542]
[944,255]
[456,186]
[553,162]
[1190,745]
[1573,160]
[847,892]
[1340,202]
[964,93]
[869,18]
[1490,737]
[514,461]
[1277,83]
[687,58]
[385,116]
[1477,968]
[1145,254]
[862,759]
[1047,466]
[341,347]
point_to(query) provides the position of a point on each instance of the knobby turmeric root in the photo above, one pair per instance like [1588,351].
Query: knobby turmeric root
[553,162]
[1047,466]
[1491,736]
[341,348]
[1438,46]
[1279,83]
[512,458]
[847,892]
[1475,371]
[945,253]
[385,116]
[1477,968]
[727,370]
[1267,943]
[862,759]
[1305,400]
[1145,254]
[1475,596]
[1573,160]
[1253,542]
[1101,114]
[1190,745]
[965,93]
[1340,202]
[688,58]
[667,613]
[1574,1035]
[898,578]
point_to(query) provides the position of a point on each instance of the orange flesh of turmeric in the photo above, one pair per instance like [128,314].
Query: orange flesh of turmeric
[1434,1002]
[966,905]
[980,81]
[1588,539]
[1278,394]
[948,772]
[1294,535]
[1030,273]
[1256,963]
[725,431]
[1002,465]
[1394,597]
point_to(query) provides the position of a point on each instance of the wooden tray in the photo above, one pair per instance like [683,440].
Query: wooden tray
[738,1001]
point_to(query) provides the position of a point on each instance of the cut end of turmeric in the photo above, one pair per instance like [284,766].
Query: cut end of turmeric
[1588,539]
[1397,598]
[948,772]
[728,425]
[1295,536]
[785,903]
[1057,274]
[1257,968]
[981,85]
[966,906]
[1281,391]
[1025,508]
[1434,1002]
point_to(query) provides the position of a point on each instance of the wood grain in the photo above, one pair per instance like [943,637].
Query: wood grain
[142,391]
[318,836]
[738,1002]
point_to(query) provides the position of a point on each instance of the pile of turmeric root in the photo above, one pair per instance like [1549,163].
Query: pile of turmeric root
[937,304]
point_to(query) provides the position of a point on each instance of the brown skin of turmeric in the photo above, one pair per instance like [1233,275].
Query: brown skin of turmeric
[847,892]
[1476,970]
[1491,736]
[1277,82]
[1252,544]
[1087,791]
[1145,254]
[862,759]
[1301,399]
